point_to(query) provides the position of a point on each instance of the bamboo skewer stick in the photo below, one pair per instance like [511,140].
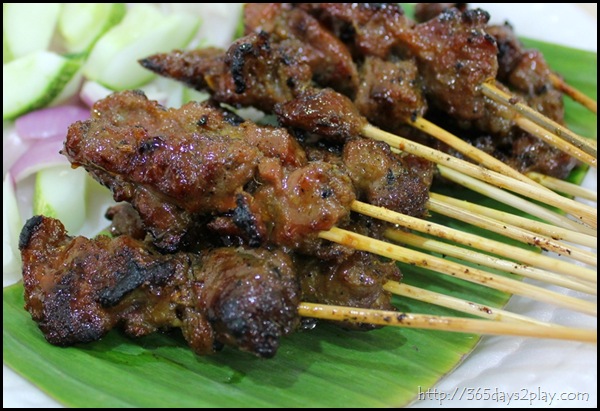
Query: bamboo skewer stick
[488,261]
[470,151]
[580,211]
[464,306]
[557,233]
[433,322]
[517,202]
[555,141]
[564,186]
[394,252]
[499,96]
[575,94]
[516,233]
[470,240]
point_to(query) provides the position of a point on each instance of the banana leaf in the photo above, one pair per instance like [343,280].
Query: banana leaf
[323,367]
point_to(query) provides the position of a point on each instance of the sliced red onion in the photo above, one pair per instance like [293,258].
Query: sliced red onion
[12,148]
[42,154]
[49,123]
[92,92]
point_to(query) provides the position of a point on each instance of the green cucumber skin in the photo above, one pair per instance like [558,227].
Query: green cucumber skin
[50,92]
[115,16]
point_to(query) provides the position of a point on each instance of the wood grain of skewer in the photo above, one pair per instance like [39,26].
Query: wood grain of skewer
[440,323]
[457,304]
[575,94]
[440,265]
[475,241]
[489,261]
[552,231]
[516,233]
[519,203]
[564,187]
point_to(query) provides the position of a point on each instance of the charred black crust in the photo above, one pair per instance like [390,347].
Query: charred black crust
[232,118]
[245,221]
[151,145]
[150,64]
[237,66]
[28,230]
[60,325]
[134,276]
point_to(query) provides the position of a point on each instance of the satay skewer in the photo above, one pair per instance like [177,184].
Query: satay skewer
[555,141]
[491,91]
[584,213]
[519,203]
[469,150]
[471,240]
[575,94]
[440,265]
[516,233]
[549,230]
[451,324]
[457,304]
[564,187]
[486,260]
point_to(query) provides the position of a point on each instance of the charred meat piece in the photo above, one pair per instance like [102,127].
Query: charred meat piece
[455,56]
[304,202]
[169,164]
[290,208]
[125,220]
[255,71]
[510,49]
[526,72]
[78,289]
[328,58]
[390,92]
[324,112]
[397,182]
[531,79]
[355,282]
[428,11]
[369,29]
[532,154]
[196,68]
[178,166]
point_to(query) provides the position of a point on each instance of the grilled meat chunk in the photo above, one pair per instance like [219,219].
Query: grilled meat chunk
[397,182]
[390,92]
[125,220]
[455,56]
[178,166]
[255,71]
[78,289]
[355,282]
[368,29]
[324,112]
[328,58]
[428,11]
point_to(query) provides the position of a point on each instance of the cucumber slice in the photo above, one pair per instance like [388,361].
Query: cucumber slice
[11,228]
[113,62]
[60,193]
[27,27]
[82,24]
[37,80]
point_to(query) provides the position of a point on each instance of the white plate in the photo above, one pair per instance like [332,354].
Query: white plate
[501,372]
